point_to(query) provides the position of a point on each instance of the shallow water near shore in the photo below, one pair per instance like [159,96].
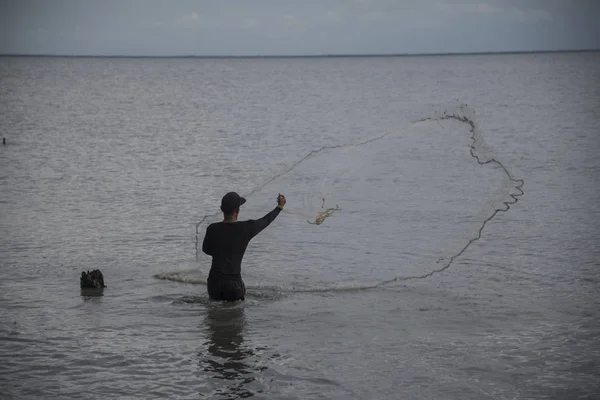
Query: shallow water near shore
[442,275]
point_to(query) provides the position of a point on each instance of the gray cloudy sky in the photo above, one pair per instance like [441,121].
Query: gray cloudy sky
[288,27]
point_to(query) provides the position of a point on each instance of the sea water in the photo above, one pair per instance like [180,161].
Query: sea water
[420,286]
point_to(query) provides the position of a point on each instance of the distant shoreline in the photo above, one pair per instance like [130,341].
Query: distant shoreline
[305,56]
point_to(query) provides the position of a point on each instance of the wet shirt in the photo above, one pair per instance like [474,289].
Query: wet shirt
[226,242]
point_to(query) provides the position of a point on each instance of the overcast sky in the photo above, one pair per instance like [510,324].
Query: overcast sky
[293,27]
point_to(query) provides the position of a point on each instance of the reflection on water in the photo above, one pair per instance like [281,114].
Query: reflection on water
[88,293]
[227,358]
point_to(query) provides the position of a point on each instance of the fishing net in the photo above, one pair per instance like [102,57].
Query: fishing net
[401,205]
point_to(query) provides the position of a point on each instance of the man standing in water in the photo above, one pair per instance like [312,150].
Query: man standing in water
[226,242]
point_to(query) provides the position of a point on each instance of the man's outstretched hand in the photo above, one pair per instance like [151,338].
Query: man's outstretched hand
[281,200]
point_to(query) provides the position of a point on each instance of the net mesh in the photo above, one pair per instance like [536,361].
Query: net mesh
[398,206]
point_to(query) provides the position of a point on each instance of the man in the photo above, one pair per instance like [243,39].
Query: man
[226,242]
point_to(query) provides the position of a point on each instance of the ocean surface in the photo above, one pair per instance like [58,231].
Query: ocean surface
[460,258]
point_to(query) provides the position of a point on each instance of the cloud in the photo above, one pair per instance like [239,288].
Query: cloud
[377,15]
[156,24]
[511,13]
[463,8]
[332,16]
[206,19]
[249,23]
[485,8]
[525,15]
[329,17]
[538,15]
[290,20]
[189,19]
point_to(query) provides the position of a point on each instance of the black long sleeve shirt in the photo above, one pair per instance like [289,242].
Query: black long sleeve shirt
[226,242]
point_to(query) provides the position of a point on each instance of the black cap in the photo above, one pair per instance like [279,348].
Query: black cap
[231,201]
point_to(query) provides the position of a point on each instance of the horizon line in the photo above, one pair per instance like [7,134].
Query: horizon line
[341,55]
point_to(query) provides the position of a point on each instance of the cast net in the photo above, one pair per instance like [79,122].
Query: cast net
[398,206]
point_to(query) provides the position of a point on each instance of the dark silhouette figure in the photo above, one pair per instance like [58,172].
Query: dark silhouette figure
[227,241]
